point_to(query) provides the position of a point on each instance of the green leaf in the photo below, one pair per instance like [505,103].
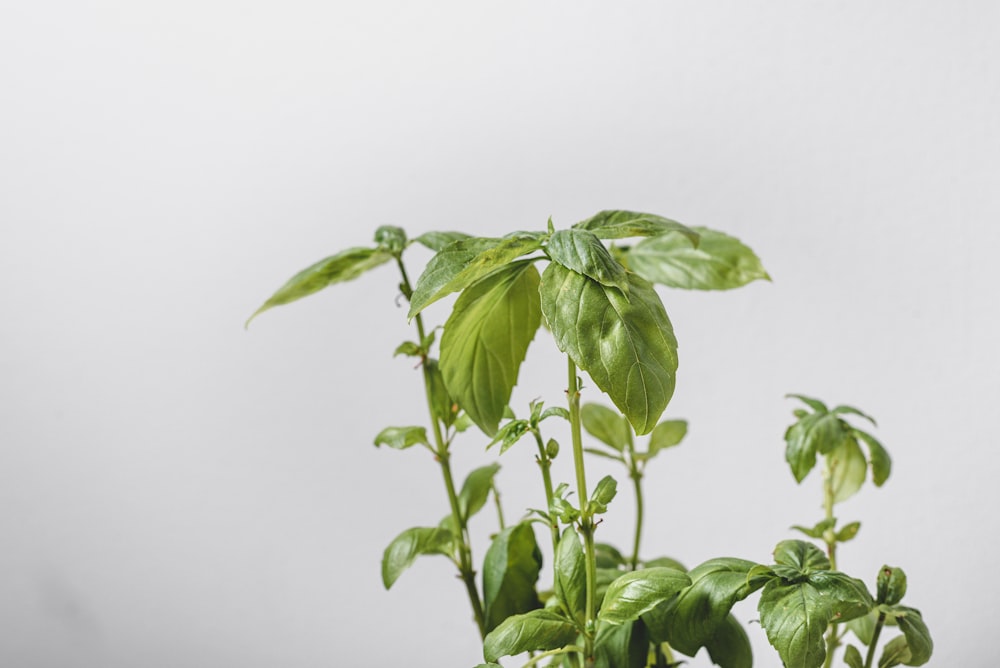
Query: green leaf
[447,263]
[627,345]
[848,532]
[408,348]
[691,620]
[510,571]
[881,462]
[485,341]
[436,241]
[489,665]
[401,438]
[391,238]
[669,562]
[890,585]
[636,592]
[623,224]
[894,653]
[584,253]
[445,409]
[604,492]
[852,657]
[795,617]
[718,262]
[621,646]
[817,531]
[571,576]
[344,266]
[458,275]
[812,434]
[851,410]
[555,411]
[606,425]
[802,557]
[847,597]
[608,556]
[476,489]
[815,404]
[918,637]
[410,544]
[667,434]
[864,627]
[510,434]
[848,468]
[730,646]
[538,630]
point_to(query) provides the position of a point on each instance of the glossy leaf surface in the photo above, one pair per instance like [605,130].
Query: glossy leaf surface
[538,630]
[616,224]
[718,262]
[634,593]
[584,253]
[510,571]
[407,546]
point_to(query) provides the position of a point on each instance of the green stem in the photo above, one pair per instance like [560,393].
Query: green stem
[832,639]
[465,561]
[496,500]
[874,642]
[586,523]
[637,479]
[552,652]
[545,464]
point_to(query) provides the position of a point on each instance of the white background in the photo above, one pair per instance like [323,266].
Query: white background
[175,491]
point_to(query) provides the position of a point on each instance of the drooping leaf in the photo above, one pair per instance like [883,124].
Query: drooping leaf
[436,241]
[510,571]
[852,657]
[538,630]
[848,468]
[895,652]
[457,274]
[627,345]
[344,266]
[666,434]
[851,410]
[815,404]
[401,438]
[485,341]
[447,263]
[730,646]
[408,348]
[391,238]
[606,425]
[615,224]
[636,592]
[621,645]
[812,434]
[918,637]
[584,253]
[718,262]
[410,544]
[571,576]
[881,462]
[476,489]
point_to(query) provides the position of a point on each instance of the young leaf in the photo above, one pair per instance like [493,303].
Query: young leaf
[443,267]
[881,462]
[621,645]
[795,617]
[391,238]
[485,341]
[814,404]
[667,434]
[627,345]
[852,657]
[848,469]
[719,262]
[510,570]
[890,585]
[510,434]
[604,453]
[445,409]
[918,637]
[401,438]
[636,592]
[584,253]
[624,224]
[848,532]
[894,653]
[730,646]
[814,433]
[538,630]
[801,557]
[606,425]
[408,348]
[476,489]
[344,266]
[604,492]
[851,410]
[410,544]
[817,531]
[570,578]
[438,240]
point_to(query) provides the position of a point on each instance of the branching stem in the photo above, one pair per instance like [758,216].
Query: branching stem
[586,522]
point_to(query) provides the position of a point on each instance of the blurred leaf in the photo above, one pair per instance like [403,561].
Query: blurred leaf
[848,468]
[623,224]
[604,492]
[852,657]
[848,532]
[510,571]
[476,489]
[401,438]
[918,637]
[606,425]
[850,410]
[391,238]
[812,434]
[667,434]
[881,462]
[621,645]
[718,262]
[436,241]
[890,585]
[410,544]
[730,646]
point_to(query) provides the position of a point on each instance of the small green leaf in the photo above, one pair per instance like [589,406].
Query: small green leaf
[584,253]
[401,438]
[510,571]
[890,585]
[571,576]
[623,224]
[881,462]
[476,489]
[627,345]
[410,544]
[918,637]
[436,241]
[604,453]
[864,627]
[344,266]
[538,630]
[485,341]
[718,262]
[604,492]
[621,645]
[391,238]
[848,532]
[815,404]
[852,657]
[802,557]
[851,410]
[555,411]
[608,556]
[812,434]
[509,434]
[817,531]
[894,653]
[667,434]
[445,408]
[408,348]
[636,592]
[848,468]
[730,646]
[606,425]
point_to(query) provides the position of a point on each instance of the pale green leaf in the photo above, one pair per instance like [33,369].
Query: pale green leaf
[666,434]
[606,425]
[436,241]
[401,438]
[444,266]
[410,544]
[615,224]
[851,410]
[848,468]
[476,489]
[391,239]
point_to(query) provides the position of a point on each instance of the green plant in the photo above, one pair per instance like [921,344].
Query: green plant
[597,300]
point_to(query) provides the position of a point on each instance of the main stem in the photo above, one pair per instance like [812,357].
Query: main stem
[871,646]
[832,638]
[586,517]
[636,476]
[465,562]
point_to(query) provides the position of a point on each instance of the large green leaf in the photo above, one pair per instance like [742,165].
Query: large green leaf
[614,224]
[584,253]
[571,576]
[344,266]
[730,646]
[813,433]
[510,571]
[881,462]
[458,269]
[718,262]
[476,489]
[621,645]
[795,617]
[410,544]
[538,630]
[485,341]
[626,344]
[848,468]
[636,592]
[606,425]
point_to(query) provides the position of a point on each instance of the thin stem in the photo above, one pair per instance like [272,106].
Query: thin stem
[874,642]
[552,652]
[586,523]
[545,464]
[637,479]
[832,639]
[496,500]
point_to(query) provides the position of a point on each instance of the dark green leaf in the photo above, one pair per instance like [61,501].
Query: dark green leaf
[538,630]
[608,556]
[476,489]
[848,532]
[606,425]
[851,410]
[627,345]
[446,264]
[391,239]
[730,646]
[624,224]
[604,492]
[918,637]
[510,571]
[485,341]
[666,435]
[847,597]
[795,617]
[571,576]
[848,468]
[894,653]
[410,544]
[718,262]
[891,585]
[881,462]
[401,438]
[436,241]
[584,253]
[804,558]
[621,645]
[344,266]
[633,593]
[852,657]
[812,434]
